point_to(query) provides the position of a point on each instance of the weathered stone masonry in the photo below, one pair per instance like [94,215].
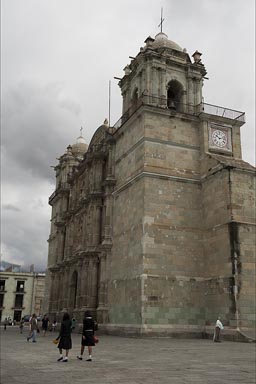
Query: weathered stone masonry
[153,223]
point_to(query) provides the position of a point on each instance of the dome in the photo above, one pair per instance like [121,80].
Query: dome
[80,147]
[161,40]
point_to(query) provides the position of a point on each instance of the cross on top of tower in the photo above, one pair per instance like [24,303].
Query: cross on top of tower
[162,20]
[81,131]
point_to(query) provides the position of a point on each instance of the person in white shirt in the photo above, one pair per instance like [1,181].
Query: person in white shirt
[218,328]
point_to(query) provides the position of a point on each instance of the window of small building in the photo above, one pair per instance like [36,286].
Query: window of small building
[1,300]
[20,286]
[17,315]
[2,285]
[18,301]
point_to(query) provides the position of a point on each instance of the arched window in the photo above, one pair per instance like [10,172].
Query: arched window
[73,289]
[174,95]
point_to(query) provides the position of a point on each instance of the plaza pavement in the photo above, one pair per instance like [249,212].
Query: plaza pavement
[118,360]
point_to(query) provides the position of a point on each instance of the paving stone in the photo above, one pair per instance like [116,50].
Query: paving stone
[120,360]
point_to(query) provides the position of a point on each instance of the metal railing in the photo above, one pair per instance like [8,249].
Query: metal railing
[126,116]
[223,112]
[175,106]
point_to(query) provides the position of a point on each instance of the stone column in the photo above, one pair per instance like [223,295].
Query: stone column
[163,91]
[66,244]
[190,95]
[93,279]
[98,175]
[51,296]
[184,106]
[102,309]
[139,84]
[84,283]
[107,229]
[108,216]
[60,246]
[57,290]
[195,83]
[96,224]
[90,225]
[125,95]
[154,86]
[54,292]
[60,301]
[84,238]
[198,95]
[148,77]
[69,239]
[127,100]
[110,162]
[79,284]
[65,288]
[102,279]
[63,243]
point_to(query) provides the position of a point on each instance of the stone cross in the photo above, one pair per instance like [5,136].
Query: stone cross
[162,20]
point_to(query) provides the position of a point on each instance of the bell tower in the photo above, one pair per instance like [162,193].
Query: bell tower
[173,230]
[163,74]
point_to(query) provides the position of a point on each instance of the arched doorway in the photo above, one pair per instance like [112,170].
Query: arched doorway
[73,290]
[174,95]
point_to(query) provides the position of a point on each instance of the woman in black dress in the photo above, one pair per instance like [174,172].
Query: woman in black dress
[87,335]
[64,337]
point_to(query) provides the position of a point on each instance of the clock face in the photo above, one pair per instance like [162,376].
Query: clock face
[219,138]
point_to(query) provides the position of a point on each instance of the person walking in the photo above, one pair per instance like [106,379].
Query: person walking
[5,323]
[87,336]
[33,328]
[73,324]
[45,322]
[218,328]
[21,325]
[54,325]
[65,341]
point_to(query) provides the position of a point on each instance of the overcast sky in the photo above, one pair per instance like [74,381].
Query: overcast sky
[57,59]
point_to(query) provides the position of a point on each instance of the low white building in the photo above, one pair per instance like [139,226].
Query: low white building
[21,293]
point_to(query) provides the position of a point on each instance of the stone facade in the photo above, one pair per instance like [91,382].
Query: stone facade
[21,293]
[153,223]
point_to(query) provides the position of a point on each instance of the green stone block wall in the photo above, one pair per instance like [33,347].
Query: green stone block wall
[126,256]
[161,127]
[174,316]
[173,235]
[187,301]
[219,300]
[173,300]
[125,305]
[215,199]
[246,276]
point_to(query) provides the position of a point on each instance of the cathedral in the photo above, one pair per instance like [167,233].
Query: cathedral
[153,221]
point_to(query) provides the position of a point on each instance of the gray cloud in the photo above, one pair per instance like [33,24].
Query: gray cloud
[37,121]
[25,229]
[10,207]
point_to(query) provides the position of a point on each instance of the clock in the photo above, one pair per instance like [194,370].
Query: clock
[219,138]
